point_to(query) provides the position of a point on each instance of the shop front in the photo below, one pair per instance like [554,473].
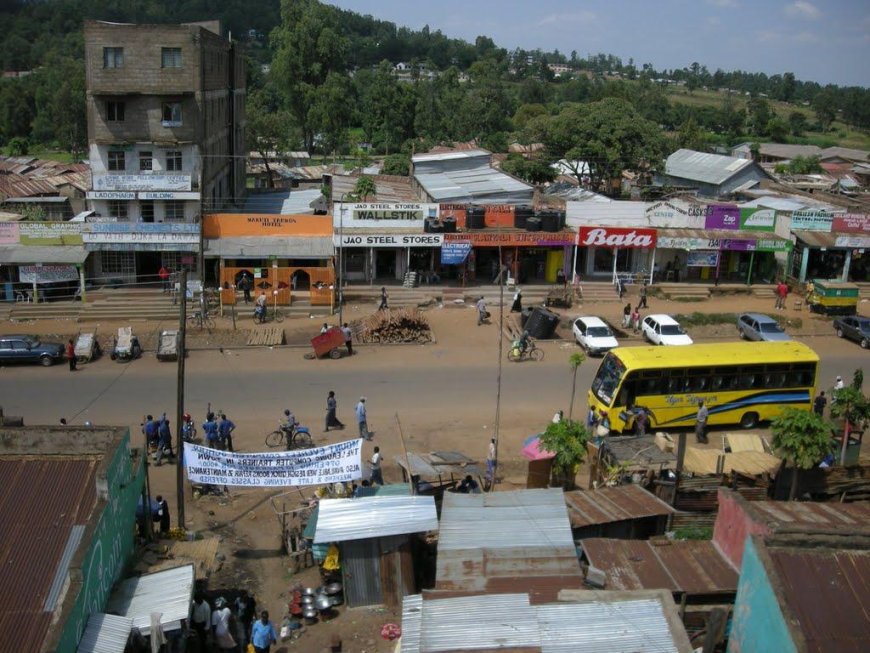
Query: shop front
[831,247]
[288,257]
[611,251]
[384,241]
[41,261]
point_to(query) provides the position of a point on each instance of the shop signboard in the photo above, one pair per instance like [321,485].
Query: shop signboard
[168,195]
[454,253]
[220,225]
[616,237]
[111,195]
[722,216]
[853,223]
[8,233]
[150,182]
[47,273]
[757,219]
[141,228]
[726,244]
[811,221]
[383,215]
[389,240]
[853,242]
[676,214]
[515,239]
[50,233]
[702,258]
[333,463]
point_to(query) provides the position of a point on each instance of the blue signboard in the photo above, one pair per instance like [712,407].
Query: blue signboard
[454,252]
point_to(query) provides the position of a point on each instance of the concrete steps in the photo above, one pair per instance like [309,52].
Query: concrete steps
[47,311]
[686,292]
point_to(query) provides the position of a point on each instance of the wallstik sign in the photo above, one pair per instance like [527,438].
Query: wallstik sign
[334,463]
[616,237]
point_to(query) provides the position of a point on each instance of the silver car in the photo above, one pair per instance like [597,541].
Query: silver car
[757,326]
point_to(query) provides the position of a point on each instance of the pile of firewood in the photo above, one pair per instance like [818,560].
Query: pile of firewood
[392,326]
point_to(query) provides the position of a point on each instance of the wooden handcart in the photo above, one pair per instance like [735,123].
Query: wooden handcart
[560,297]
[87,347]
[328,344]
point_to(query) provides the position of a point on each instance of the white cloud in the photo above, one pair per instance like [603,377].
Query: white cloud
[568,17]
[802,9]
[724,4]
[713,21]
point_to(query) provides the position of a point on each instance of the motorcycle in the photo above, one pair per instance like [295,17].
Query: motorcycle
[188,429]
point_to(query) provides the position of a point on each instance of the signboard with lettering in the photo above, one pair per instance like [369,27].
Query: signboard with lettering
[141,236]
[854,242]
[389,240]
[726,244]
[676,214]
[168,195]
[854,223]
[146,182]
[616,237]
[141,228]
[383,215]
[722,216]
[455,252]
[220,225]
[47,273]
[811,221]
[168,237]
[757,219]
[515,238]
[702,258]
[50,233]
[111,195]
[8,233]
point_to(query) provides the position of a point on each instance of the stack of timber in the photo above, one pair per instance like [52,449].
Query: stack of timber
[843,484]
[393,326]
[265,337]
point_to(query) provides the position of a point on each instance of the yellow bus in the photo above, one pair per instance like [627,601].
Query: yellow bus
[741,383]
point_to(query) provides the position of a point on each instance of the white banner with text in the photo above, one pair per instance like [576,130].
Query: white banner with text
[334,463]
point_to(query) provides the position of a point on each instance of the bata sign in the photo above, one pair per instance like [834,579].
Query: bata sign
[616,237]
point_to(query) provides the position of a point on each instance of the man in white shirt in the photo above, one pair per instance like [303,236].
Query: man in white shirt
[361,418]
[220,622]
[377,475]
[201,618]
[481,311]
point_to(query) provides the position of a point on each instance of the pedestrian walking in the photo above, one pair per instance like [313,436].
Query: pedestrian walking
[635,319]
[781,294]
[263,634]
[626,316]
[348,338]
[517,306]
[620,287]
[591,419]
[561,279]
[71,355]
[701,423]
[220,623]
[643,291]
[246,612]
[490,461]
[163,514]
[839,384]
[384,300]
[361,418]
[819,404]
[331,407]
[164,440]
[482,313]
[201,619]
[164,273]
[210,429]
[641,419]
[377,475]
[246,284]
[225,432]
[149,428]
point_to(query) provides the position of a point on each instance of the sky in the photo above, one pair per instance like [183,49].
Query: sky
[827,41]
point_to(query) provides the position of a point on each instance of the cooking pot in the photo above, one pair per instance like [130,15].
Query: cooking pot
[333,588]
[307,601]
[322,602]
[308,591]
[335,600]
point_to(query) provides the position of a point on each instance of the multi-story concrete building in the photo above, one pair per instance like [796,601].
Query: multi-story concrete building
[166,122]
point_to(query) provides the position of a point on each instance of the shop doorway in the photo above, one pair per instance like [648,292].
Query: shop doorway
[148,265]
[385,264]
[300,280]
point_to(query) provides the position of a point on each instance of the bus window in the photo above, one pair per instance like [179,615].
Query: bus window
[697,383]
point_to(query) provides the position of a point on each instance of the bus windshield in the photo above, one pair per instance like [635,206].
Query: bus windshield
[607,379]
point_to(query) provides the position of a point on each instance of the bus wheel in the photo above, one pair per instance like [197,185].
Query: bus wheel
[749,420]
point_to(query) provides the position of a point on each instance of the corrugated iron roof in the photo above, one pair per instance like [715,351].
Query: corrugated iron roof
[339,520]
[818,238]
[440,464]
[638,451]
[504,541]
[694,567]
[105,633]
[613,504]
[704,167]
[389,188]
[265,246]
[35,538]
[845,153]
[169,592]
[23,254]
[788,516]
[412,623]
[451,155]
[828,591]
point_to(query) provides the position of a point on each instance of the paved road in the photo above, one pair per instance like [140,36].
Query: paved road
[442,394]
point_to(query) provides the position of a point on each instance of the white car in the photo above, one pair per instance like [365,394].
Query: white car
[664,330]
[593,334]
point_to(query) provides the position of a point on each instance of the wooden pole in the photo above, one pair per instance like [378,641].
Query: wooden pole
[497,424]
[181,347]
[405,454]
[149,525]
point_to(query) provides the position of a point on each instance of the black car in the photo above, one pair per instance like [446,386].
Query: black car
[29,349]
[854,328]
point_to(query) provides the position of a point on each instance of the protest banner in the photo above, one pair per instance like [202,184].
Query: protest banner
[334,463]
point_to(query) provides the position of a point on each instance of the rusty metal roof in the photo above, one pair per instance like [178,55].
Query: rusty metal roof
[805,516]
[390,188]
[694,567]
[437,465]
[638,452]
[613,504]
[506,541]
[36,532]
[828,591]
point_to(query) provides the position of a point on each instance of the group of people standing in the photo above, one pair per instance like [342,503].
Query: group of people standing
[223,625]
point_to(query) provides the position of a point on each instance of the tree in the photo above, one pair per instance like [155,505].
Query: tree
[527,112]
[777,129]
[759,115]
[331,113]
[397,164]
[803,438]
[268,129]
[364,188]
[787,89]
[692,137]
[609,136]
[824,105]
[853,408]
[59,100]
[567,439]
[534,171]
[575,361]
[797,123]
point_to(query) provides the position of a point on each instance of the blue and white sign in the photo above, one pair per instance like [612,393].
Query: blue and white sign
[455,252]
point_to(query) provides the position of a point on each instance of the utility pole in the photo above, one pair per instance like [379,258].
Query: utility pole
[500,359]
[181,347]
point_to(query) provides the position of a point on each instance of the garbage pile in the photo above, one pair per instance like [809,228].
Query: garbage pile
[393,326]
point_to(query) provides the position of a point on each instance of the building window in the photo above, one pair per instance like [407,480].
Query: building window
[146,162]
[115,111]
[118,209]
[146,211]
[173,211]
[170,57]
[113,57]
[171,114]
[173,160]
[117,161]
[118,262]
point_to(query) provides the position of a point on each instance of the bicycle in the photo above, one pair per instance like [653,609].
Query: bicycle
[298,438]
[276,315]
[516,353]
[202,320]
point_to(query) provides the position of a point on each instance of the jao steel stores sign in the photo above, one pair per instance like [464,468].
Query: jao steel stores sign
[616,237]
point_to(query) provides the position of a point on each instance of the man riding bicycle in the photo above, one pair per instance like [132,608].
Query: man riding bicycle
[524,341]
[288,424]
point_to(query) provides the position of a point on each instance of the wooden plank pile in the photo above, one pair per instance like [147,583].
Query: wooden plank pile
[266,337]
[393,326]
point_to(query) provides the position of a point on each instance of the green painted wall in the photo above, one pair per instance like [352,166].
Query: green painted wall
[110,548]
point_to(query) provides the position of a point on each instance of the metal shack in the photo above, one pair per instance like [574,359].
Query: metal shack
[374,537]
[624,511]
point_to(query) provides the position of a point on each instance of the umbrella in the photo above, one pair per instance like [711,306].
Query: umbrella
[534,451]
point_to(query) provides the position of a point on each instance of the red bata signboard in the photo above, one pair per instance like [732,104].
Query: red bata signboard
[616,237]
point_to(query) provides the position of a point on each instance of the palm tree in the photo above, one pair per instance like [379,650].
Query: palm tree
[575,361]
